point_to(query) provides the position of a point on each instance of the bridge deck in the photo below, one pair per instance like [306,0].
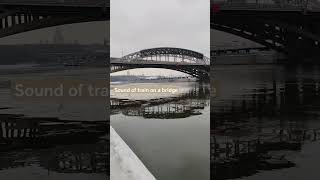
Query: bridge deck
[266,7]
[149,62]
[73,3]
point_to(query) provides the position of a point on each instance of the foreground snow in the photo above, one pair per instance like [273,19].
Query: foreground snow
[124,164]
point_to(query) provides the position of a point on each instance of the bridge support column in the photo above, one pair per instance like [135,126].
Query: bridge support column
[25,18]
[13,20]
[19,19]
[6,23]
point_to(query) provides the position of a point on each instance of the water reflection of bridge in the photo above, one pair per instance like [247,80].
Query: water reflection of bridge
[17,127]
[246,157]
[284,139]
[79,161]
[70,159]
[169,110]
[290,97]
[58,145]
[298,97]
[256,127]
[180,106]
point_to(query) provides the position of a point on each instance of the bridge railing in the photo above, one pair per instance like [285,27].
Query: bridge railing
[143,61]
[263,4]
[86,3]
[237,51]
[165,60]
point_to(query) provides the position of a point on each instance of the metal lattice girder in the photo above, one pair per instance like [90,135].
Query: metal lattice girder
[75,3]
[168,52]
[17,16]
[197,65]
[291,30]
[200,72]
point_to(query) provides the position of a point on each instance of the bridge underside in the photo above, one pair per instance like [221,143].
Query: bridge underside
[16,19]
[293,33]
[199,72]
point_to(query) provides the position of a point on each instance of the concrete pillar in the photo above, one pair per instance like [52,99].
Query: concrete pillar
[6,23]
[13,20]
[19,19]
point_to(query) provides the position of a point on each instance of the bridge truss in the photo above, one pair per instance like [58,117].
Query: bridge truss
[183,60]
[168,54]
[290,29]
[22,16]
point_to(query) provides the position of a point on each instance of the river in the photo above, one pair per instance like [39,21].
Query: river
[168,131]
[52,137]
[265,122]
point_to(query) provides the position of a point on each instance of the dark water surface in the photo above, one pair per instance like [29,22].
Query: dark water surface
[265,122]
[51,138]
[170,135]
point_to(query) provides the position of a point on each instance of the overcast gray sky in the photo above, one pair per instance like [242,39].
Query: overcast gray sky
[142,24]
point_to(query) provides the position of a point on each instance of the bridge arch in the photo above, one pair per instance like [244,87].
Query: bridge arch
[286,28]
[168,54]
[18,17]
[244,33]
[177,59]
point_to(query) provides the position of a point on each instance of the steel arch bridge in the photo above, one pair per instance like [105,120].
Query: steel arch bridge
[182,60]
[17,16]
[293,29]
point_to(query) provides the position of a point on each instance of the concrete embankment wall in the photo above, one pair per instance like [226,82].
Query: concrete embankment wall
[124,164]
